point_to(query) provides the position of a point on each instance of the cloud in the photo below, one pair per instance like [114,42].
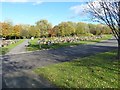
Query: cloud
[79,9]
[37,2]
[14,0]
[55,0]
[34,1]
[82,8]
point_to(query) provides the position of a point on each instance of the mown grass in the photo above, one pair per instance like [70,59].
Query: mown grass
[34,46]
[98,71]
[6,49]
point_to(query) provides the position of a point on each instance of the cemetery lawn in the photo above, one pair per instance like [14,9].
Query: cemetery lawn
[97,71]
[106,37]
[6,49]
[34,46]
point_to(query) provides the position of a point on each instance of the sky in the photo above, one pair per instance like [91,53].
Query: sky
[31,12]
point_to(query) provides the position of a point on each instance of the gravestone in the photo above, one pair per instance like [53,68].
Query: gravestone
[49,43]
[39,43]
[32,38]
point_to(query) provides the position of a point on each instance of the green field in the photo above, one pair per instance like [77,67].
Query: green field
[98,71]
[6,49]
[34,46]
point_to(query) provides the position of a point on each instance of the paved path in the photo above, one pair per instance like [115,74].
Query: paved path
[17,69]
[19,49]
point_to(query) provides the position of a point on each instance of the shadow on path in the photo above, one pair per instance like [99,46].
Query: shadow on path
[25,79]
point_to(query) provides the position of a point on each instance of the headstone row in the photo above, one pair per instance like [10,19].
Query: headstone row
[66,39]
[4,43]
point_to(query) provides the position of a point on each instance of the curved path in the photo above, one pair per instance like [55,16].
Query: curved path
[19,49]
[17,69]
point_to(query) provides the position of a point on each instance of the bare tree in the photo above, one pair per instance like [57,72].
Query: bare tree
[109,14]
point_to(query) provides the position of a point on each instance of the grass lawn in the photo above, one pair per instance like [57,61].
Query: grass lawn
[6,49]
[34,46]
[98,71]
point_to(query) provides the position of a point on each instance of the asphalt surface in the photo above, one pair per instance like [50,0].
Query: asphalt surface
[17,68]
[19,49]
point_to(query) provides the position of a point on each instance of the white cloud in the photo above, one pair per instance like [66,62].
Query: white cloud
[79,10]
[37,2]
[14,0]
[44,0]
[55,0]
[83,9]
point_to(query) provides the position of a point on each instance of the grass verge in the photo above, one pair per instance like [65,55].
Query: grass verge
[34,46]
[98,71]
[6,49]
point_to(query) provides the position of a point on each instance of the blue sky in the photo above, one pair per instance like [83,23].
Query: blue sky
[54,12]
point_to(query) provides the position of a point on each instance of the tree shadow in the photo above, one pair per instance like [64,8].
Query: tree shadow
[9,66]
[25,80]
[70,53]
